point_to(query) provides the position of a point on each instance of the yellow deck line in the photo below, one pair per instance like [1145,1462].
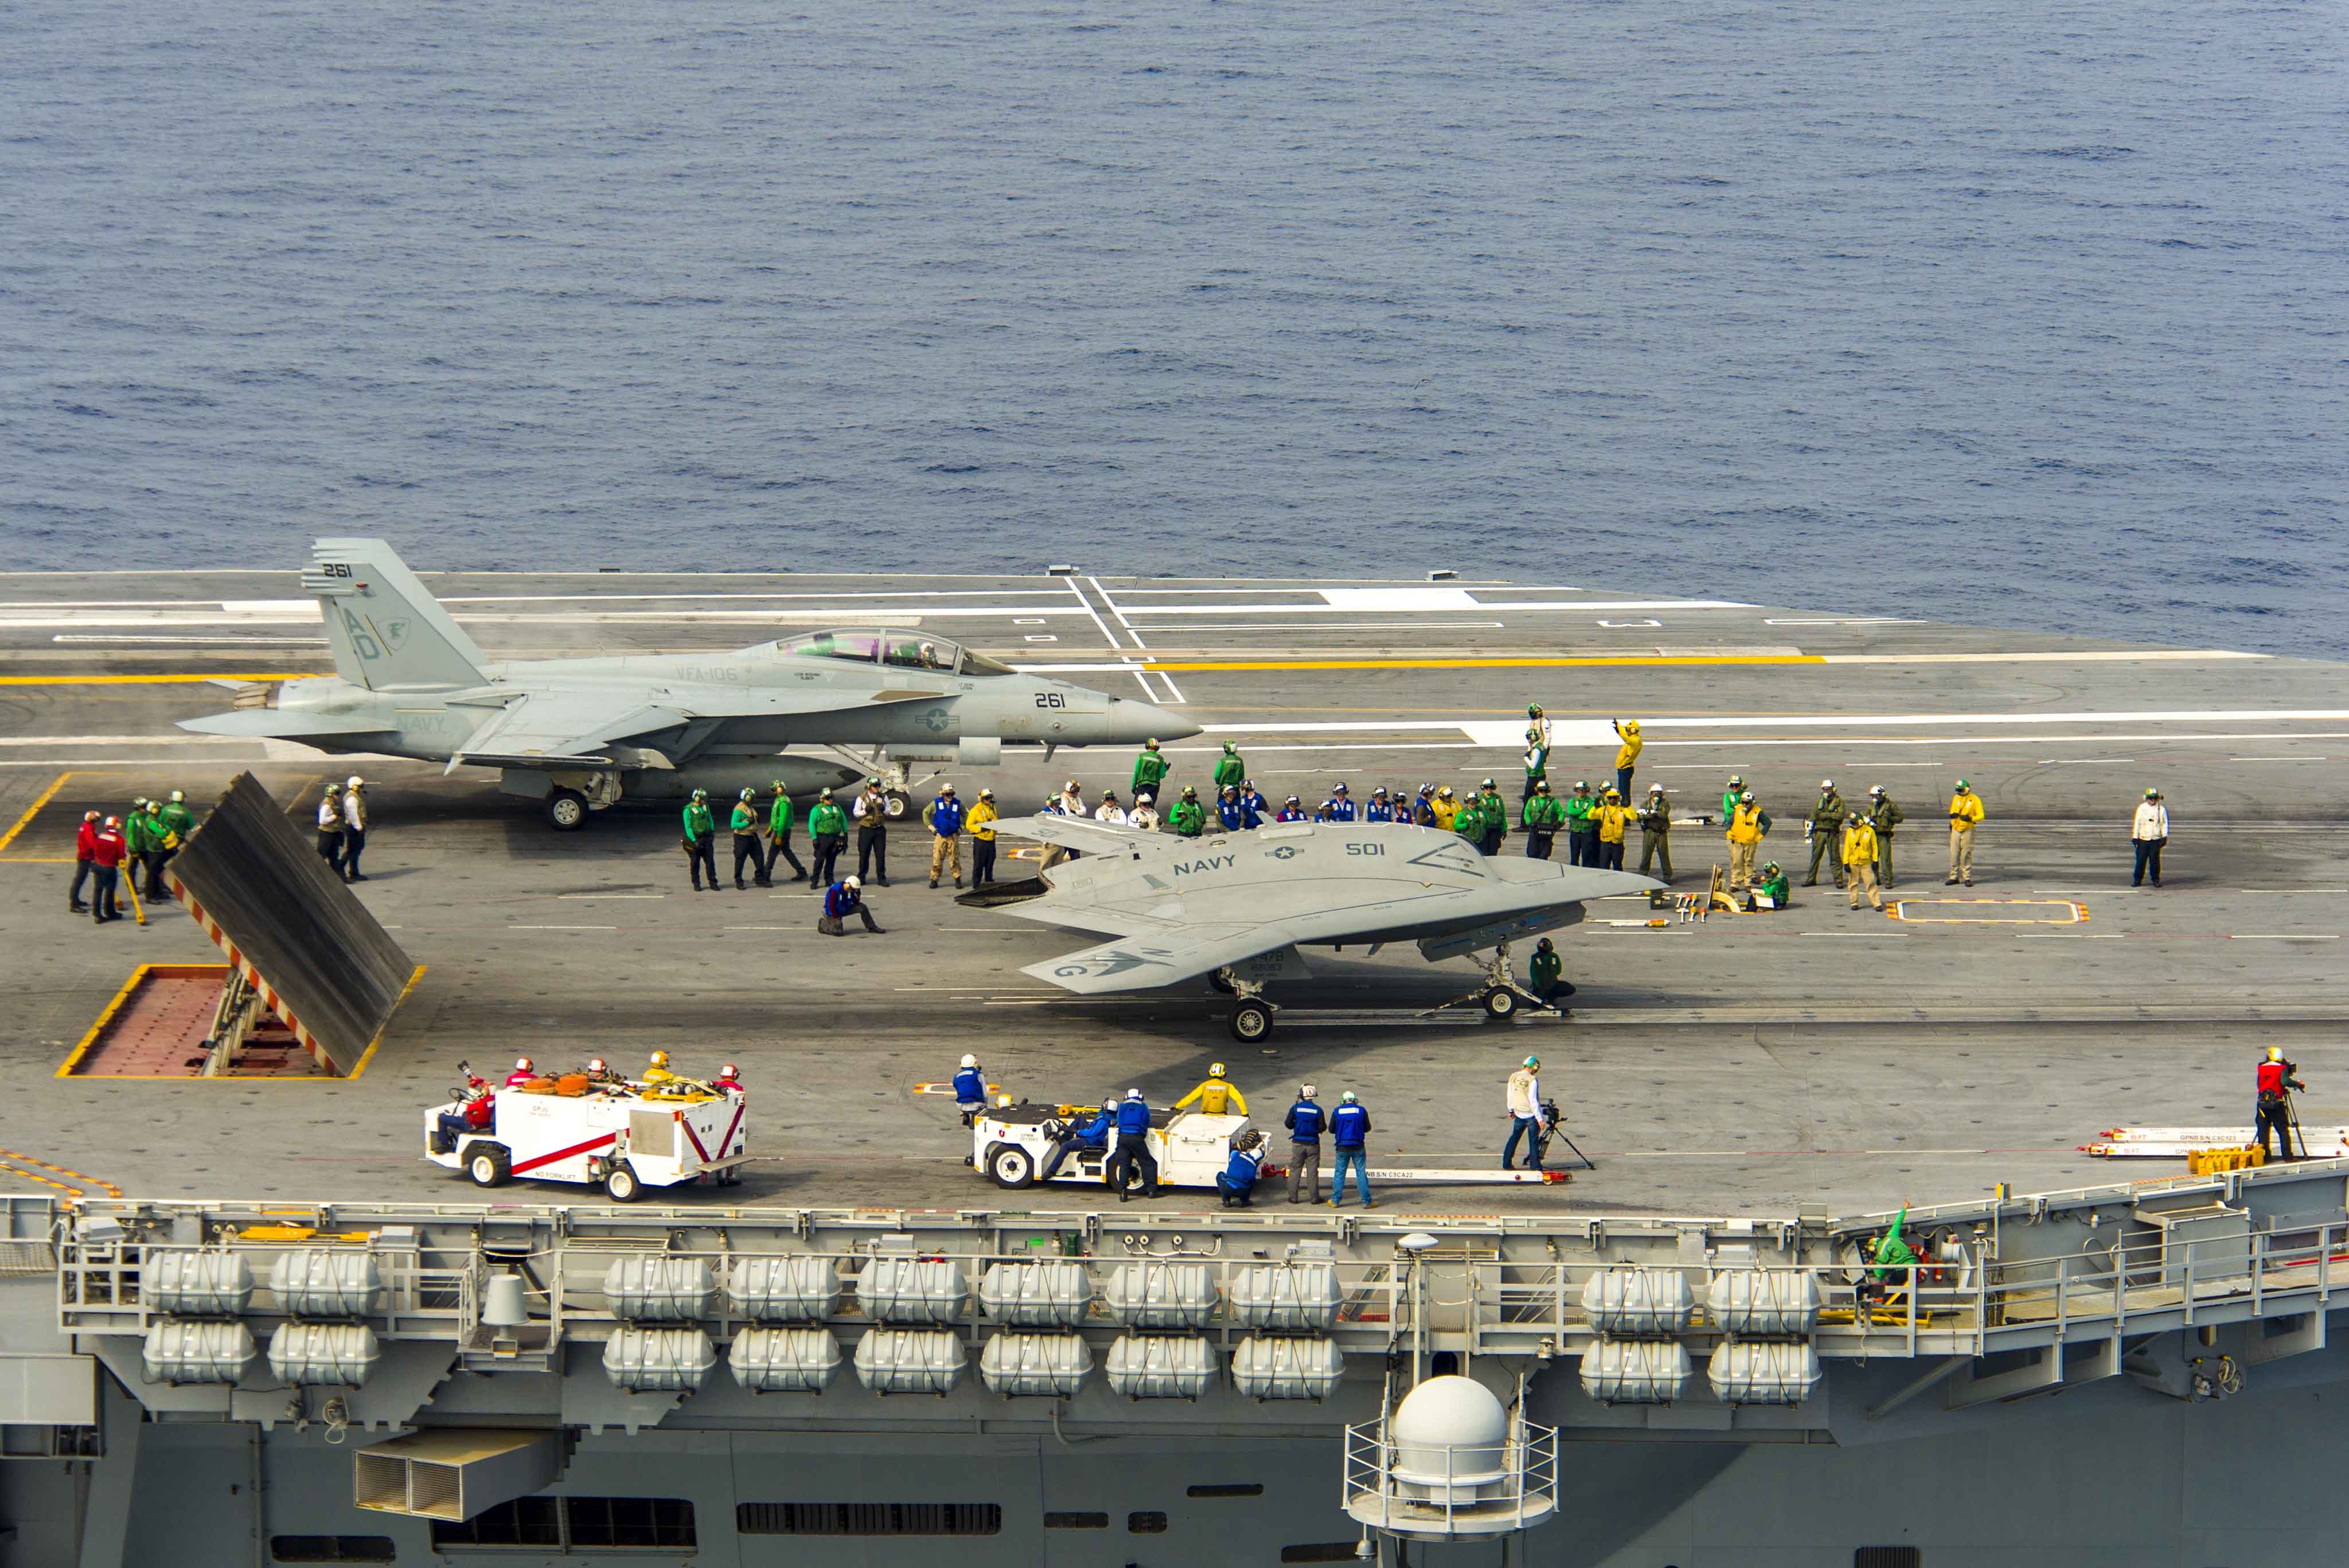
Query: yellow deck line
[90,1039]
[1500,661]
[294,801]
[153,680]
[368,1055]
[65,1069]
[33,811]
[2078,912]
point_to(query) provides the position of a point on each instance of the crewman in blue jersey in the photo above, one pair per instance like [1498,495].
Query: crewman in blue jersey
[971,1089]
[1253,804]
[945,830]
[1237,1180]
[1379,810]
[1091,1133]
[1340,806]
[1132,1151]
[1290,811]
[1350,1125]
[1306,1121]
[1228,810]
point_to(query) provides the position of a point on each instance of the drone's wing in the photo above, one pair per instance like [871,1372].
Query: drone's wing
[1139,963]
[1074,832]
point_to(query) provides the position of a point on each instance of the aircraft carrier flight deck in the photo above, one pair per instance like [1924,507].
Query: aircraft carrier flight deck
[1816,1056]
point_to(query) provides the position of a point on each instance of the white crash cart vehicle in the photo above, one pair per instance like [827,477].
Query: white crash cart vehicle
[623,1136]
[1012,1144]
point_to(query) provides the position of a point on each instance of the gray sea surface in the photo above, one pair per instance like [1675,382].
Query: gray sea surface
[2019,313]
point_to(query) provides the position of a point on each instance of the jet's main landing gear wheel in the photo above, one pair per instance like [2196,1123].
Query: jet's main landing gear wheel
[1252,1019]
[566,810]
[897,804]
[1501,1002]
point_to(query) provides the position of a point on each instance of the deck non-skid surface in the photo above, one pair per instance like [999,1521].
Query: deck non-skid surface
[1749,1065]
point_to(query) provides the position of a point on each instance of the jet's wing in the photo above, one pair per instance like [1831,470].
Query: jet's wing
[1138,964]
[281,725]
[578,728]
[590,725]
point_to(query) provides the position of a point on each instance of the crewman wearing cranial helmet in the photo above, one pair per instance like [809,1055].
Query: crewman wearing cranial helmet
[1216,1095]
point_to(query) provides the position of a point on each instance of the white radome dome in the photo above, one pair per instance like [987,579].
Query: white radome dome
[1456,1414]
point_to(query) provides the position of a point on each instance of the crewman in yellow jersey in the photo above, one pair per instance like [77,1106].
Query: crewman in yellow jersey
[1627,755]
[1860,851]
[1216,1094]
[1965,815]
[982,839]
[1747,825]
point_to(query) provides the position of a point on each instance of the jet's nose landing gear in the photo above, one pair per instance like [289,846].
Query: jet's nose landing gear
[1251,1020]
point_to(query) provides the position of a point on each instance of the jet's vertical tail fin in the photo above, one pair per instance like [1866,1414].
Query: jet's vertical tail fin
[385,629]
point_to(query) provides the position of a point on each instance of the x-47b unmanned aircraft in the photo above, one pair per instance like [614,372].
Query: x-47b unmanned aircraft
[578,734]
[1238,906]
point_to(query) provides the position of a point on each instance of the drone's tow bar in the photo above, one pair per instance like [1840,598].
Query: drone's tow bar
[1417,1175]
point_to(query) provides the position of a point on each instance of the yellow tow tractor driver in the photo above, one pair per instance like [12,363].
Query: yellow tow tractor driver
[1216,1094]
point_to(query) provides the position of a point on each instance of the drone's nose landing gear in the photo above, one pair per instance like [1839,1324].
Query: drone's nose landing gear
[1252,1018]
[1500,996]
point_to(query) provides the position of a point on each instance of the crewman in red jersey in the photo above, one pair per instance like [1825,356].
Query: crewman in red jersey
[107,849]
[2277,1079]
[85,858]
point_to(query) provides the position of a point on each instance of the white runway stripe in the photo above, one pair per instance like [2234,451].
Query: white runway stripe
[2084,656]
[1592,730]
[1601,607]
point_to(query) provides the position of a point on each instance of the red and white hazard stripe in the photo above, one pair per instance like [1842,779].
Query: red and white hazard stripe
[243,966]
[723,1143]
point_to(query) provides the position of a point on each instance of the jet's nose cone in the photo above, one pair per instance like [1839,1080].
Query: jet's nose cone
[1139,721]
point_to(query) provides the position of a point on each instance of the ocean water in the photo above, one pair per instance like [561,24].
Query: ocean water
[2026,313]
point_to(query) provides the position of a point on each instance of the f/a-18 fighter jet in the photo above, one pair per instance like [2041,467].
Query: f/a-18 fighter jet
[1237,906]
[579,733]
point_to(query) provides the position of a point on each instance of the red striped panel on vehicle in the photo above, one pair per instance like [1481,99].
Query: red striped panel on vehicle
[592,1144]
[723,1143]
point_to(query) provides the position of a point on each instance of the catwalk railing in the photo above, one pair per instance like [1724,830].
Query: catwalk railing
[1470,1293]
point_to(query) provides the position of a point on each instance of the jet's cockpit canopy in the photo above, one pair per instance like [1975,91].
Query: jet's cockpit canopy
[897,649]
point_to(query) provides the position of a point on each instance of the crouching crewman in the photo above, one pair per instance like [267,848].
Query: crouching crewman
[842,900]
[1237,1178]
